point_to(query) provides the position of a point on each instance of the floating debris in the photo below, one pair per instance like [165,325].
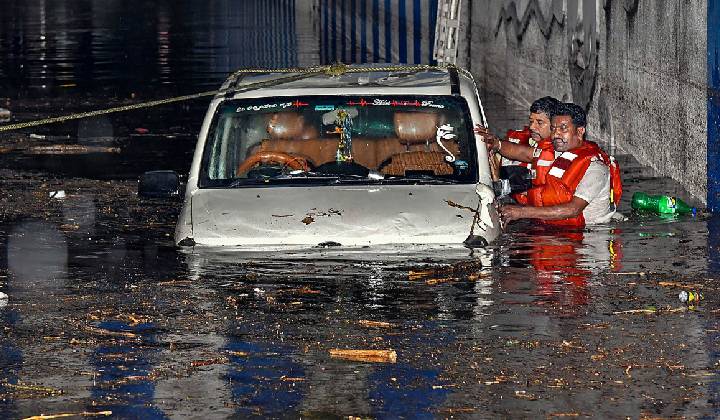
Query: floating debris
[5,115]
[59,195]
[375,324]
[690,296]
[29,390]
[650,310]
[525,395]
[328,244]
[69,149]
[628,273]
[680,285]
[291,379]
[469,270]
[83,414]
[102,331]
[210,362]
[374,356]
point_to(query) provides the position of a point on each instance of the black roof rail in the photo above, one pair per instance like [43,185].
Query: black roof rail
[231,91]
[454,80]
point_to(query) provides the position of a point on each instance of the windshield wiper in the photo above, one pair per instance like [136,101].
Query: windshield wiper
[324,176]
[420,179]
[341,178]
[304,174]
[297,177]
[240,182]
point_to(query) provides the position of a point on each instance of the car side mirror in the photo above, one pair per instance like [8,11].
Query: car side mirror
[159,184]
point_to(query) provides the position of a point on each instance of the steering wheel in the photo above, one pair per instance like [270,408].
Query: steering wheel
[265,157]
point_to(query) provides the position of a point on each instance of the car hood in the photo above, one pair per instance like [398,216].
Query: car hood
[343,214]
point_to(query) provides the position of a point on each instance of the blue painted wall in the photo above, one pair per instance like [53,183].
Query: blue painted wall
[713,129]
[713,117]
[367,31]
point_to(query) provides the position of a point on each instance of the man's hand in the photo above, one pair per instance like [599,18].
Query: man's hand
[509,150]
[510,212]
[491,141]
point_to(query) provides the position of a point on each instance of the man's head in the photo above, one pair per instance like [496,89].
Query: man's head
[568,127]
[541,113]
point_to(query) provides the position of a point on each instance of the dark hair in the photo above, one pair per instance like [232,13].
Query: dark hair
[576,112]
[546,105]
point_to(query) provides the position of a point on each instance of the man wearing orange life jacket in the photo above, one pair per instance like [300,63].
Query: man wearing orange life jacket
[535,135]
[582,184]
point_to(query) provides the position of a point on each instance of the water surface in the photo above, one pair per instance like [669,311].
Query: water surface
[105,314]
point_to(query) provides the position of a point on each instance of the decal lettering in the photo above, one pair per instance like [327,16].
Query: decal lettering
[281,105]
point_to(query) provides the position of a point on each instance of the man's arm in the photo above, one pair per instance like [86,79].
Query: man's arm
[507,149]
[508,213]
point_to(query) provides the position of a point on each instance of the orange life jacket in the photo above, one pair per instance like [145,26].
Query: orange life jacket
[564,175]
[539,167]
[522,137]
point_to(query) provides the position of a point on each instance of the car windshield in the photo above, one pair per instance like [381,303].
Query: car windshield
[326,139]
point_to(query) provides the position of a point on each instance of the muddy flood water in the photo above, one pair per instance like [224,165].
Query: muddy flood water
[104,316]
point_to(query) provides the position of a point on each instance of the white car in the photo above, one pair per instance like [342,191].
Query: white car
[341,155]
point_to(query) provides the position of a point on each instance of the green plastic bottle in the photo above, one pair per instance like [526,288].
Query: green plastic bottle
[662,204]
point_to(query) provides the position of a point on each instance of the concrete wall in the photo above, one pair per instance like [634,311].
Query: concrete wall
[638,66]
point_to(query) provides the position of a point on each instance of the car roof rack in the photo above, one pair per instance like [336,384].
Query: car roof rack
[234,83]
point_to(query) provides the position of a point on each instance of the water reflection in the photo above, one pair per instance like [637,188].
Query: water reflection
[396,390]
[417,383]
[11,362]
[37,259]
[542,322]
[558,275]
[118,47]
[124,382]
[713,246]
[563,262]
[79,213]
[265,325]
[265,381]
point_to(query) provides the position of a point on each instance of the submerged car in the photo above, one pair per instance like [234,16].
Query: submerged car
[341,155]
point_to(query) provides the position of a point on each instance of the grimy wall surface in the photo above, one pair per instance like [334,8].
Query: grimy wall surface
[638,66]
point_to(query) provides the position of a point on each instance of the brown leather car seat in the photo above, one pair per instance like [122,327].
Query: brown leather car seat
[420,161]
[290,133]
[289,126]
[416,130]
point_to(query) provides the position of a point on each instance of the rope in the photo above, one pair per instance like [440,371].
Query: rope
[88,114]
[337,69]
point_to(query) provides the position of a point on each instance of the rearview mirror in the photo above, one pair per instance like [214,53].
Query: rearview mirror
[159,184]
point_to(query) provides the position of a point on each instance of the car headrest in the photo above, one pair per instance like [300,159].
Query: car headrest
[286,125]
[415,127]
